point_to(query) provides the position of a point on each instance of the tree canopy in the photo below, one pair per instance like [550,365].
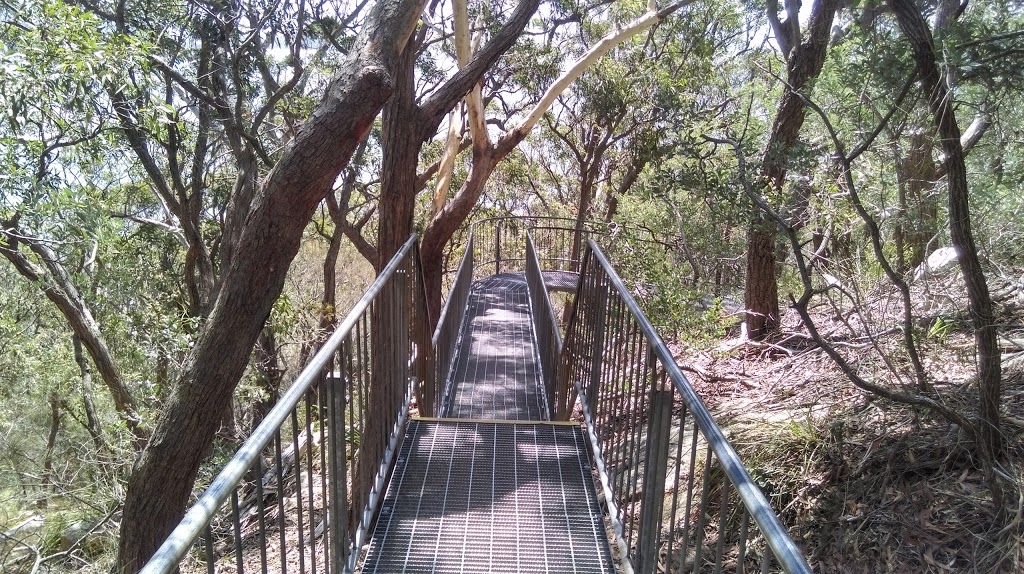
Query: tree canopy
[192,191]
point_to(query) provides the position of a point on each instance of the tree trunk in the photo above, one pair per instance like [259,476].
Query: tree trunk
[761,290]
[162,481]
[401,145]
[761,296]
[270,373]
[919,218]
[447,221]
[916,30]
[51,441]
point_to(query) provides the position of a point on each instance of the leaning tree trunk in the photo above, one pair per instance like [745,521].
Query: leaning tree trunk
[940,101]
[162,481]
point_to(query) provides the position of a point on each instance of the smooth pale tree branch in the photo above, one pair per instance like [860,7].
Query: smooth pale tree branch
[56,284]
[174,231]
[485,158]
[447,163]
[595,53]
[970,138]
[464,50]
[442,100]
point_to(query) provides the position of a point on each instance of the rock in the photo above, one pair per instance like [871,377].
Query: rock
[91,543]
[941,259]
[28,531]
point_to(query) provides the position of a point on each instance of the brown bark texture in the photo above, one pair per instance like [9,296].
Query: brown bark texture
[407,126]
[162,481]
[805,62]
[915,29]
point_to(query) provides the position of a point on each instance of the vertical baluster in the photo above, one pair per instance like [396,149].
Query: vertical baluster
[297,458]
[597,350]
[260,511]
[309,477]
[635,406]
[659,431]
[704,495]
[337,541]
[361,373]
[678,465]
[742,551]
[236,521]
[281,523]
[211,560]
[691,476]
[497,248]
[723,513]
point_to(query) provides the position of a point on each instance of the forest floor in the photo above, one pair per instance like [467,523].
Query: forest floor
[865,484]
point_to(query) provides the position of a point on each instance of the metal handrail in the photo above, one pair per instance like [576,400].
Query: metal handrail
[627,378]
[449,326]
[501,241]
[545,323]
[332,396]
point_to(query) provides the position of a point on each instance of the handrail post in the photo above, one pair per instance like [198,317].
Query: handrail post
[659,434]
[497,248]
[425,352]
[337,519]
[566,359]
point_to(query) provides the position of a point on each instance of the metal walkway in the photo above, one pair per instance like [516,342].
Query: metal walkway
[488,497]
[353,484]
[479,494]
[496,376]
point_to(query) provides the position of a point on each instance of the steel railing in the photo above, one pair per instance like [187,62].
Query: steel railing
[449,326]
[678,497]
[545,322]
[330,441]
[500,242]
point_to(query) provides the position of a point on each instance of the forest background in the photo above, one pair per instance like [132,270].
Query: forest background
[191,191]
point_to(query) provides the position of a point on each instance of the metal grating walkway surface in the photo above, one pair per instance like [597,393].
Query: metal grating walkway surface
[496,374]
[485,496]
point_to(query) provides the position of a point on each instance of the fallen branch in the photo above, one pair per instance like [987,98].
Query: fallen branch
[713,378]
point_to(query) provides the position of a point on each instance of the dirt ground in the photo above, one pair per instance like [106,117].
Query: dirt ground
[866,484]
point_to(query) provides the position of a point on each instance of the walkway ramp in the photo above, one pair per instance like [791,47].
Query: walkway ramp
[496,375]
[494,488]
[482,497]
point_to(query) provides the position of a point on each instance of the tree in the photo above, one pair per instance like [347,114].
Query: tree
[915,29]
[161,483]
[487,155]
[804,63]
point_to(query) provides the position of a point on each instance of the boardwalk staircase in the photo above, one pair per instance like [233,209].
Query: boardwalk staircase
[502,442]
